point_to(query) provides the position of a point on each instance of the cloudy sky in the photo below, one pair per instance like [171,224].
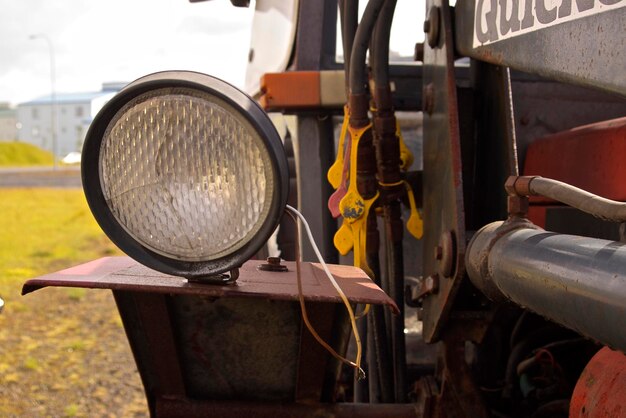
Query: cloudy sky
[96,41]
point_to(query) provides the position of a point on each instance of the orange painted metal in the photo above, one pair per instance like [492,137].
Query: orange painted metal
[589,157]
[290,90]
[601,388]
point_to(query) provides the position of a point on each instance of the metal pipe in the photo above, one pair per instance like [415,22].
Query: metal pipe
[600,207]
[577,282]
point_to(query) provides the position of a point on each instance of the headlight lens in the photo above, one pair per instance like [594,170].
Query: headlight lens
[191,173]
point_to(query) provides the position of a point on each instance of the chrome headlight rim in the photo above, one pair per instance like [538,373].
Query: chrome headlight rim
[241,103]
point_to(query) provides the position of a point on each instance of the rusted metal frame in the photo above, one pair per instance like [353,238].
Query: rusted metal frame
[584,51]
[148,327]
[178,408]
[459,396]
[313,357]
[454,394]
[442,179]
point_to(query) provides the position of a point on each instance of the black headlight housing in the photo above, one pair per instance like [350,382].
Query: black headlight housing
[185,173]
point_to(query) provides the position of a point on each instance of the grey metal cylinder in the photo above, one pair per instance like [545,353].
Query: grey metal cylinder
[575,281]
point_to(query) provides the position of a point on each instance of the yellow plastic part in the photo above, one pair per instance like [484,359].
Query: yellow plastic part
[344,239]
[352,206]
[335,171]
[406,156]
[415,224]
[359,230]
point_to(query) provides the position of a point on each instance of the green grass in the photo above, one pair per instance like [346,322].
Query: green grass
[43,230]
[19,154]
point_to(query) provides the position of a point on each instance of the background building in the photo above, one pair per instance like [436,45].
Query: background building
[8,122]
[74,113]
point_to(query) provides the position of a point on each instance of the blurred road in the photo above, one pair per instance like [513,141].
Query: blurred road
[63,177]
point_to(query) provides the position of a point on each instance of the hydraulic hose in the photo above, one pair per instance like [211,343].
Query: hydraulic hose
[389,178]
[349,15]
[380,54]
[358,73]
[597,206]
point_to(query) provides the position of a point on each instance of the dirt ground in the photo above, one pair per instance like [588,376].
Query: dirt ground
[63,352]
[74,360]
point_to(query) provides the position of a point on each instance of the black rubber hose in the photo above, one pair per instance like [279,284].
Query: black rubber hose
[349,18]
[383,358]
[358,73]
[380,53]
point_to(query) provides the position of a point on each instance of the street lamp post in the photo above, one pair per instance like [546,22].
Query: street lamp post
[52,96]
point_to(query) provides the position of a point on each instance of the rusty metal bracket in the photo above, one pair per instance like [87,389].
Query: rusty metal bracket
[443,184]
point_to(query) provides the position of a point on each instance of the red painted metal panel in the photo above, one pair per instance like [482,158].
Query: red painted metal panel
[123,273]
[601,388]
[590,157]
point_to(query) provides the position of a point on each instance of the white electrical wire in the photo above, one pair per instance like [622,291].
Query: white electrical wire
[342,295]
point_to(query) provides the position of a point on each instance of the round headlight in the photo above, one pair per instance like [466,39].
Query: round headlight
[185,173]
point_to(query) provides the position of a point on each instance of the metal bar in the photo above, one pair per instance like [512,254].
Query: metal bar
[314,150]
[177,408]
[157,329]
[577,282]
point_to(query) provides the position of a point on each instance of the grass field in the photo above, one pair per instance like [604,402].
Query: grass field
[19,154]
[63,352]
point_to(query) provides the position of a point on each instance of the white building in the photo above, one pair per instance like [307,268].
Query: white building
[74,113]
[8,122]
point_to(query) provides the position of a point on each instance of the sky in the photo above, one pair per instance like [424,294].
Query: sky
[117,40]
[97,41]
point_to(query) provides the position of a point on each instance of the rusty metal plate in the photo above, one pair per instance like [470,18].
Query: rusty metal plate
[442,178]
[123,273]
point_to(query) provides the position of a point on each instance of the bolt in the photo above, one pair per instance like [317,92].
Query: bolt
[438,252]
[418,53]
[431,284]
[432,26]
[275,261]
[448,254]
[273,264]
